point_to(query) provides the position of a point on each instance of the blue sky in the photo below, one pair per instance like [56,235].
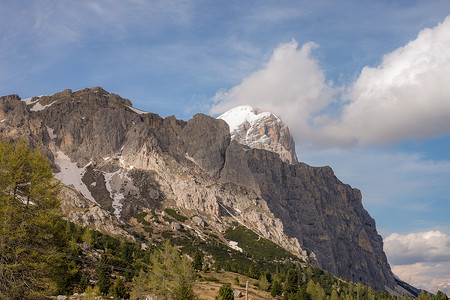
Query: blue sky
[363,85]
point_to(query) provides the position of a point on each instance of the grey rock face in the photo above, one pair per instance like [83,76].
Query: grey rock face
[326,216]
[127,160]
[206,141]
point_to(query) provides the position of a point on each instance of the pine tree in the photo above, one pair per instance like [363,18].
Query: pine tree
[334,295]
[198,261]
[29,223]
[183,291]
[263,283]
[104,275]
[291,284]
[276,288]
[171,273]
[84,282]
[88,237]
[225,292]
[119,290]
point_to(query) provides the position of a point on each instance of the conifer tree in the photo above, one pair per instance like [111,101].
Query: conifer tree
[263,283]
[291,284]
[170,275]
[28,223]
[198,261]
[276,288]
[119,290]
[225,292]
[104,275]
[334,295]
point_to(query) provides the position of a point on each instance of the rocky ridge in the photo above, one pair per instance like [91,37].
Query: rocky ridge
[124,160]
[260,130]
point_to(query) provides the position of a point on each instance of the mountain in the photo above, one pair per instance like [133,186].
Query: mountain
[260,130]
[118,162]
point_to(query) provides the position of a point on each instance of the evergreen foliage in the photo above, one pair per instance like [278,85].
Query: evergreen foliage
[276,289]
[291,283]
[29,226]
[264,283]
[171,272]
[104,275]
[225,292]
[175,215]
[119,290]
[198,261]
[259,248]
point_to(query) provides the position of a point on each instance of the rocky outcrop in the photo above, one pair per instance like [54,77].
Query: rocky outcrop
[124,160]
[83,212]
[206,141]
[260,130]
[326,216]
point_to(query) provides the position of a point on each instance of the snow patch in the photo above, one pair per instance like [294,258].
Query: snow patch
[71,175]
[234,245]
[39,107]
[29,101]
[138,111]
[196,231]
[113,184]
[241,114]
[51,132]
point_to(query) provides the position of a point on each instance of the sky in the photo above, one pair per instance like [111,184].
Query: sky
[364,87]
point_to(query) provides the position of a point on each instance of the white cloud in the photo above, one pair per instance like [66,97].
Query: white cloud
[406,97]
[429,276]
[422,259]
[291,84]
[430,246]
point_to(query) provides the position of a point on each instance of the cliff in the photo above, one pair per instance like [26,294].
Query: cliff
[124,160]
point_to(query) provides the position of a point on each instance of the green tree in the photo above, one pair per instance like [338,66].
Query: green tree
[334,295]
[276,288]
[291,283]
[126,251]
[225,292]
[84,282]
[170,275]
[198,261]
[103,272]
[301,294]
[264,283]
[236,281]
[92,293]
[311,290]
[29,223]
[88,237]
[183,291]
[254,270]
[140,289]
[119,291]
[217,266]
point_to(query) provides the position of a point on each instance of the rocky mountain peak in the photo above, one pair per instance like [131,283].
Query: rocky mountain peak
[260,130]
[119,161]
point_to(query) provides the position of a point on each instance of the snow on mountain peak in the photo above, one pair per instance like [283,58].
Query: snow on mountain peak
[262,130]
[240,114]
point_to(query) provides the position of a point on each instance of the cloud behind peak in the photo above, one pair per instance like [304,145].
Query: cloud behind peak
[407,96]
